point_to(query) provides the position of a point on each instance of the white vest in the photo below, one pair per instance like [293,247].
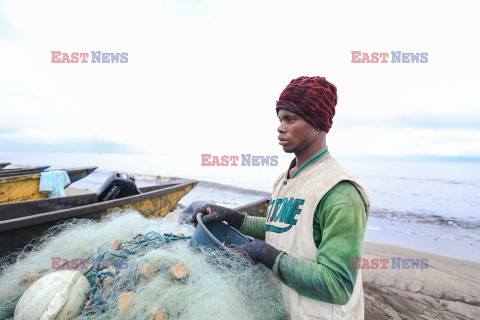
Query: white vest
[291,230]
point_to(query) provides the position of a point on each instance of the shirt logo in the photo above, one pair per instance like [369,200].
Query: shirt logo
[283,211]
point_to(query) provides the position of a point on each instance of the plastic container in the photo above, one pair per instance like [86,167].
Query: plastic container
[215,235]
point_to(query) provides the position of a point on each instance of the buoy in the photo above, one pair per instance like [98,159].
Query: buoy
[30,275]
[107,287]
[156,314]
[117,245]
[125,302]
[179,272]
[147,270]
[59,295]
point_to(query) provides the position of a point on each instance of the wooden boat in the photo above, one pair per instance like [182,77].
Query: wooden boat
[25,187]
[256,209]
[22,222]
[21,171]
[4,164]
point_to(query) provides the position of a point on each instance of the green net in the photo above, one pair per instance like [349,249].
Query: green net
[142,269]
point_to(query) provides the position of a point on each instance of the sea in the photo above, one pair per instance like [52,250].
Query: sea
[427,206]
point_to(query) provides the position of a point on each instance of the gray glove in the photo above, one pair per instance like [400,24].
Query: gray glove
[258,251]
[218,213]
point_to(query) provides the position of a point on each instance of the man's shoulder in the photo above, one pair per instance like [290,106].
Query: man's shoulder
[343,192]
[278,179]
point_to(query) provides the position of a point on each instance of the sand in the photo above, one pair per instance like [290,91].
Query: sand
[70,191]
[447,289]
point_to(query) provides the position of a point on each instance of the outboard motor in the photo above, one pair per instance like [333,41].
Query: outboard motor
[117,185]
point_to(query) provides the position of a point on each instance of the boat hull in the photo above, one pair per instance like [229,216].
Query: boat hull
[16,233]
[20,172]
[256,209]
[25,187]
[4,164]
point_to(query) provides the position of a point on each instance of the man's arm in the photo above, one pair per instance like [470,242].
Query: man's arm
[254,227]
[341,218]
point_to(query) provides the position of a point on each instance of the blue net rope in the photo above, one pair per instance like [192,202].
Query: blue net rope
[140,244]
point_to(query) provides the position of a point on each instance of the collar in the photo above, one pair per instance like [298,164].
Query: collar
[313,159]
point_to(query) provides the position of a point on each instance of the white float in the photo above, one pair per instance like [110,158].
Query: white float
[59,295]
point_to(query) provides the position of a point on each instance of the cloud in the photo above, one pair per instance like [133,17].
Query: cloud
[8,144]
[205,75]
[7,30]
[5,130]
[405,141]
[415,157]
[465,121]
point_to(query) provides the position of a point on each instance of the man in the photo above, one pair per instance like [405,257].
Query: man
[317,215]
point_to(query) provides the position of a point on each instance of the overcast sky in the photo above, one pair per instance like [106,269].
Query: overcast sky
[205,75]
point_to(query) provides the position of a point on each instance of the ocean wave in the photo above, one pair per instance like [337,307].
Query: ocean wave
[214,185]
[97,178]
[425,218]
[202,183]
[238,196]
[416,179]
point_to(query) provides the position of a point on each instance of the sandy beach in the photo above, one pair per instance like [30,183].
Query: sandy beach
[447,289]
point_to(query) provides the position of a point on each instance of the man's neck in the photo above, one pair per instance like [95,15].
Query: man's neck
[306,154]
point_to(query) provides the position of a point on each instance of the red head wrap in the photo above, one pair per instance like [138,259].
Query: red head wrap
[312,98]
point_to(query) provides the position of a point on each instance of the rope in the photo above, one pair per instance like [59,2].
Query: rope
[137,245]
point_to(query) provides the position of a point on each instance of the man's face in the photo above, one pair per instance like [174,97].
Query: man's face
[295,134]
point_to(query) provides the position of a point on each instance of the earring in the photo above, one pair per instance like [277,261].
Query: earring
[318,130]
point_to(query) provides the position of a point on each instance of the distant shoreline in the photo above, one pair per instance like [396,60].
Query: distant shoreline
[409,157]
[413,158]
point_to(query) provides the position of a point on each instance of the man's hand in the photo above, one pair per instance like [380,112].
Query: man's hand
[258,251]
[218,213]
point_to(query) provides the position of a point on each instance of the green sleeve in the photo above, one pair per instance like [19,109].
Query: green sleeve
[254,227]
[339,229]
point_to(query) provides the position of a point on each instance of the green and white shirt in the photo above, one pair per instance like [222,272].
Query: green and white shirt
[318,219]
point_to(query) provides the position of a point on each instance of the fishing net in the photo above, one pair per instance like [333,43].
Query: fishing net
[143,270]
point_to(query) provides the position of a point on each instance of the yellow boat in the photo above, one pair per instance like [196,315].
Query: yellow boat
[21,222]
[25,187]
[256,209]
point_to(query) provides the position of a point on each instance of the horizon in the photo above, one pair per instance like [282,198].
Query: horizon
[408,157]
